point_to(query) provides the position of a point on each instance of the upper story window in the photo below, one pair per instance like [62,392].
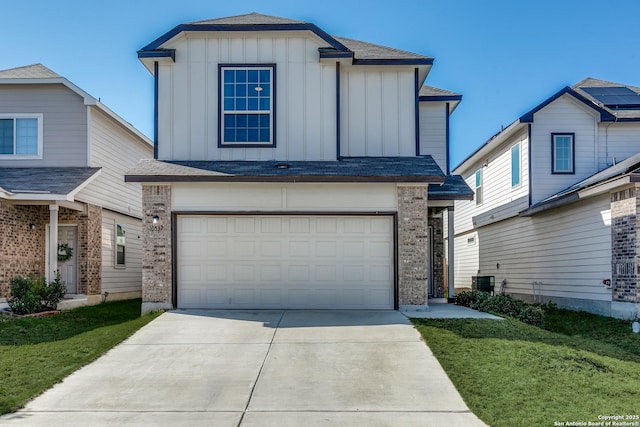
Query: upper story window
[516,163]
[247,105]
[21,136]
[479,187]
[563,153]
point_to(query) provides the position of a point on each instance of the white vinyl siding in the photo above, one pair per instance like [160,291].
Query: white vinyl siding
[377,112]
[466,259]
[126,278]
[564,115]
[117,151]
[616,142]
[501,199]
[433,132]
[566,250]
[305,89]
[63,122]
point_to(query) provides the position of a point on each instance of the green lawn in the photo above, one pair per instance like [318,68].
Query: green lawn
[513,374]
[36,353]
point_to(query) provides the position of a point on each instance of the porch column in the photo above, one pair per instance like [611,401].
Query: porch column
[450,253]
[53,242]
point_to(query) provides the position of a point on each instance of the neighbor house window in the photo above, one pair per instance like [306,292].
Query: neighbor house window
[562,152]
[21,135]
[515,165]
[120,246]
[247,105]
[479,187]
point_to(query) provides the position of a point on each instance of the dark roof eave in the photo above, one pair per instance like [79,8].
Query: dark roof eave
[158,53]
[422,179]
[450,196]
[440,98]
[605,116]
[154,45]
[402,61]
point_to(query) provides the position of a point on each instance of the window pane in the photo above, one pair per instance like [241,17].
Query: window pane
[26,136]
[229,76]
[241,104]
[265,76]
[241,89]
[6,136]
[241,134]
[515,165]
[241,76]
[228,104]
[265,135]
[253,104]
[120,258]
[252,76]
[230,135]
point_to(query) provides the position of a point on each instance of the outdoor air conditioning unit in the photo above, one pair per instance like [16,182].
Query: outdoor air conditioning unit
[484,283]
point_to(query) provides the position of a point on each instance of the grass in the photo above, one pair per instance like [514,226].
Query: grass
[36,353]
[509,373]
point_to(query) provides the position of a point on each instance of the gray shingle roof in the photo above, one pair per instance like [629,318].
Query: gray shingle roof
[454,188]
[434,91]
[34,71]
[44,180]
[248,19]
[353,169]
[619,112]
[364,50]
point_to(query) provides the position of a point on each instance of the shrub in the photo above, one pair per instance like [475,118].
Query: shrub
[25,294]
[32,294]
[505,305]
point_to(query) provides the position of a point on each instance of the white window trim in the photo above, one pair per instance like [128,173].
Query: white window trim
[572,154]
[519,184]
[480,201]
[271,112]
[39,117]
[115,246]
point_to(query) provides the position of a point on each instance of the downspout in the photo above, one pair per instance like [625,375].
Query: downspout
[529,171]
[155,110]
[447,114]
[338,110]
[416,80]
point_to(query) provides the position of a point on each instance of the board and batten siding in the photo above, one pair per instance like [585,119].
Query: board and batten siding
[567,251]
[305,96]
[433,131]
[500,199]
[121,279]
[64,123]
[564,115]
[267,197]
[617,142]
[377,112]
[115,150]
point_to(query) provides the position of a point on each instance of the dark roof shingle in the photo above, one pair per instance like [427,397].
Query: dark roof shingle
[44,180]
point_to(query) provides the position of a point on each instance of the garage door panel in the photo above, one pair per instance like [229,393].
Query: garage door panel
[281,261]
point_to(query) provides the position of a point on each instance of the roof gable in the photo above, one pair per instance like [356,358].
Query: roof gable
[337,47]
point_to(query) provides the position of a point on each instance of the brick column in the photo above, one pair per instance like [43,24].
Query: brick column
[412,245]
[90,251]
[157,252]
[625,253]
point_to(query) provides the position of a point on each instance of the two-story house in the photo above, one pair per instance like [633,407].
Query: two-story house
[293,169]
[555,209]
[64,205]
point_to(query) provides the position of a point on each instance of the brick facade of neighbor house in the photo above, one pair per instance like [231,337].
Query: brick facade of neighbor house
[90,251]
[21,248]
[625,252]
[412,245]
[157,252]
[437,255]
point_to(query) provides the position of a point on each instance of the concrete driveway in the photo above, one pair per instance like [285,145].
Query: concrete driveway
[259,368]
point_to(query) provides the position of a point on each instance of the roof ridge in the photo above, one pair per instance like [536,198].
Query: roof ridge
[37,70]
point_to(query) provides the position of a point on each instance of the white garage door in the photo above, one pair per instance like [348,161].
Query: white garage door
[285,261]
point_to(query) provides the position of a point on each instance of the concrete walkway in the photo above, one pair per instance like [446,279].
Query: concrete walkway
[449,311]
[259,368]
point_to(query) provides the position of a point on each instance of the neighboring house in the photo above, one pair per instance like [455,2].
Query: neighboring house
[63,155]
[291,170]
[555,210]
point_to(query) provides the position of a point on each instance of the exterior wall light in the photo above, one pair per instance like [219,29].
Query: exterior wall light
[155,218]
[32,226]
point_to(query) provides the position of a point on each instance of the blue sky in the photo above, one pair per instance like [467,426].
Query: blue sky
[503,56]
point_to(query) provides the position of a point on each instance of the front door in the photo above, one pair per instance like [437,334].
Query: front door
[68,234]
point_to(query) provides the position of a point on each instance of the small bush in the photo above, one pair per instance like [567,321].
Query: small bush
[468,298]
[33,294]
